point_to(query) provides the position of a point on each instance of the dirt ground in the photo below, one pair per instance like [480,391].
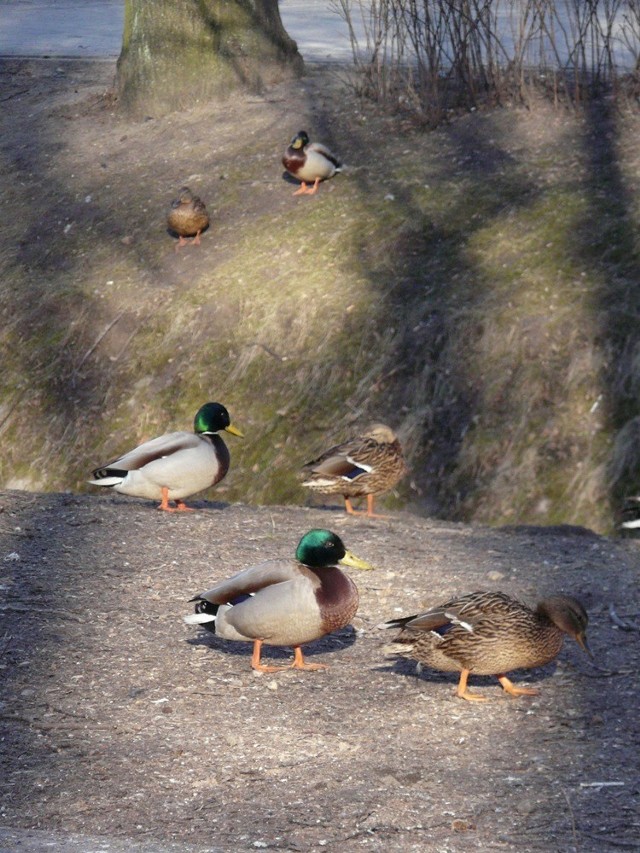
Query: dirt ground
[124,729]
[122,725]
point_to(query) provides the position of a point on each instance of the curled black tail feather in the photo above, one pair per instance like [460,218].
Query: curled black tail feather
[397,623]
[102,473]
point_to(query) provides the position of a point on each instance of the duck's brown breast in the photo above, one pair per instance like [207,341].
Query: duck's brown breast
[293,160]
[187,221]
[337,598]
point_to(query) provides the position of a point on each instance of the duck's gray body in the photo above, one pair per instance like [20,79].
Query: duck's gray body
[289,604]
[182,462]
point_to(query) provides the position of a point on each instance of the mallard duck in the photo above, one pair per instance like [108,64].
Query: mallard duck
[175,465]
[309,162]
[284,602]
[367,465]
[188,217]
[489,633]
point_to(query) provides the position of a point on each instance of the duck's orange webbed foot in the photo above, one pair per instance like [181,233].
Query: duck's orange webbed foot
[510,688]
[179,507]
[182,507]
[463,693]
[305,190]
[349,507]
[298,661]
[164,505]
[368,513]
[262,667]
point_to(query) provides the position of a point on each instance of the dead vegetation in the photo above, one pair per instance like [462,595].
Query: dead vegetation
[431,59]
[475,286]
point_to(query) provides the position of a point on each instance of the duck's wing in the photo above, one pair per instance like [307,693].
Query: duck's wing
[469,612]
[251,580]
[199,206]
[343,460]
[157,448]
[319,148]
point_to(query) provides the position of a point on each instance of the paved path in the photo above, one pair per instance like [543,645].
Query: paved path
[93,28]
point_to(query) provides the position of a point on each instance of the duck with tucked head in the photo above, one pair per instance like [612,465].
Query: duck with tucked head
[309,163]
[188,217]
[284,602]
[489,633]
[365,466]
[175,465]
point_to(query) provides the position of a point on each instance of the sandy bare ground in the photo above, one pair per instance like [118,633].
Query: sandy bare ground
[125,729]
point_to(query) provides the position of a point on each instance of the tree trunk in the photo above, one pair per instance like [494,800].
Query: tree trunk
[177,53]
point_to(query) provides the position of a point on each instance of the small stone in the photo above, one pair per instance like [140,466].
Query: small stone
[495,575]
[459,825]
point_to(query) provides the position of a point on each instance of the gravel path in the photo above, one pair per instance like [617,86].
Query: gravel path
[126,729]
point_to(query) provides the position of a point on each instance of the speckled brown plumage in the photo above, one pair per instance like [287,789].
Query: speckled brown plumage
[188,217]
[489,633]
[365,466]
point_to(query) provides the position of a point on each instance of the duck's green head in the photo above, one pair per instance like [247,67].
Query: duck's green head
[322,548]
[212,417]
[300,140]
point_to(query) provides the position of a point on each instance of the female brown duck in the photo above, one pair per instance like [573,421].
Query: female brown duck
[365,466]
[187,217]
[488,633]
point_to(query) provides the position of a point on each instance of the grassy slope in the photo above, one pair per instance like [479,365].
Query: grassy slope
[474,286]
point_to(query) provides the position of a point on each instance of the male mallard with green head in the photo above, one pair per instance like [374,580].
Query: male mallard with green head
[489,633]
[175,465]
[367,466]
[309,163]
[188,217]
[284,602]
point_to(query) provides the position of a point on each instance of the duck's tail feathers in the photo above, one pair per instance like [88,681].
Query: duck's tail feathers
[397,649]
[199,618]
[396,623]
[107,477]
[319,482]
[205,614]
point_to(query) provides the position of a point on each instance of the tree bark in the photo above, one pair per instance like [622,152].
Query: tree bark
[177,53]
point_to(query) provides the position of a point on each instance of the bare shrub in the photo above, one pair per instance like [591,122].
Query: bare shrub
[434,56]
